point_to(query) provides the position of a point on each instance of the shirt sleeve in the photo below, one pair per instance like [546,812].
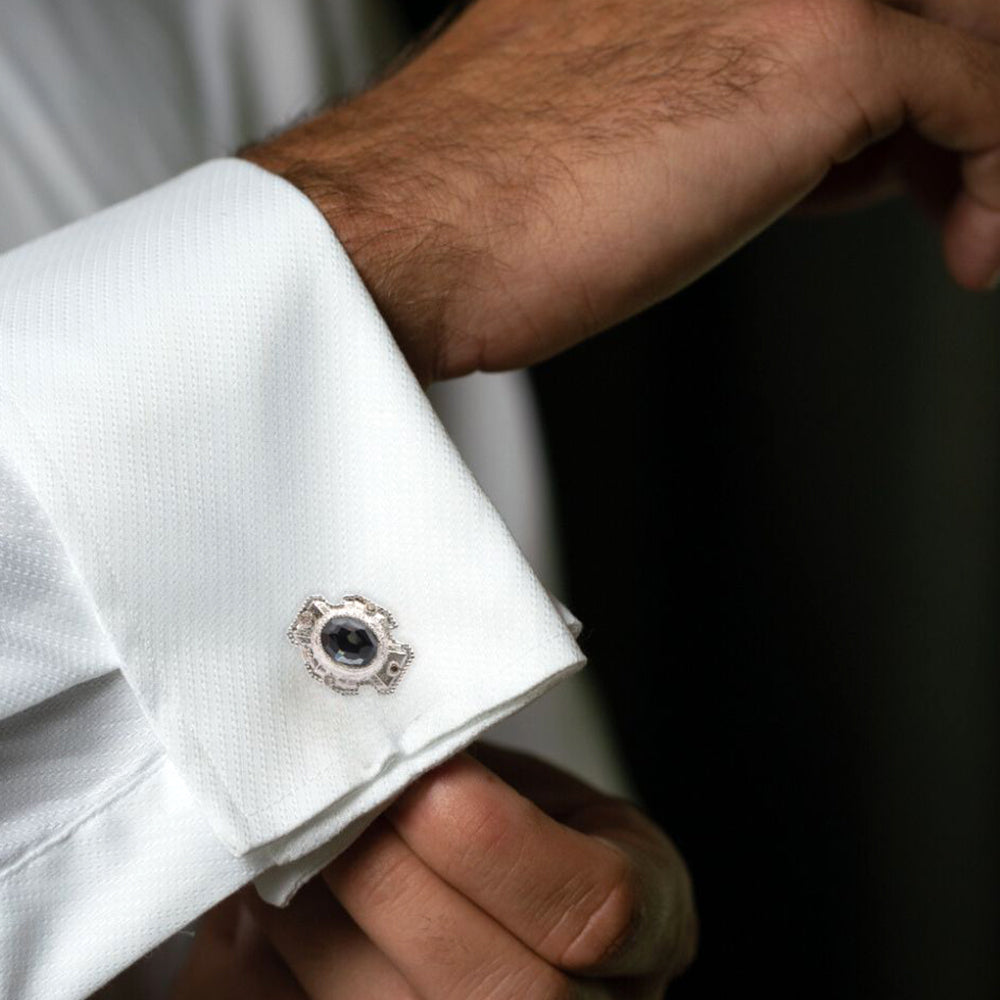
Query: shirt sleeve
[298,599]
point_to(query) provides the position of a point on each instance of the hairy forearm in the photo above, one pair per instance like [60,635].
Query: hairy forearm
[387,197]
[542,171]
[477,203]
[445,203]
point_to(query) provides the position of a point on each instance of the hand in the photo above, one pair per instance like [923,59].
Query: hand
[542,170]
[516,883]
[906,162]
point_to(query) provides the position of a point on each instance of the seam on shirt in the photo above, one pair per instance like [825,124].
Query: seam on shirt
[129,787]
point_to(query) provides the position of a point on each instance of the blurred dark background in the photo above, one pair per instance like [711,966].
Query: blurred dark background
[790,471]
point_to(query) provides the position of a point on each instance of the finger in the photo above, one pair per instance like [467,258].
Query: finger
[971,234]
[557,793]
[589,905]
[663,873]
[231,960]
[329,956]
[569,800]
[949,85]
[445,946]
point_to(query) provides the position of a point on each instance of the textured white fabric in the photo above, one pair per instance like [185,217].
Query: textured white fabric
[204,402]
[125,860]
[274,445]
[48,641]
[103,850]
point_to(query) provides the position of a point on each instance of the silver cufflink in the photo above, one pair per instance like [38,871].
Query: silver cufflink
[349,644]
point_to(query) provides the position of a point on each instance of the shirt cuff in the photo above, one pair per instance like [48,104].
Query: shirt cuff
[208,405]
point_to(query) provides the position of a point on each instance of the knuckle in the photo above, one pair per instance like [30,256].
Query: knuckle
[446,794]
[603,923]
[380,876]
[488,824]
[548,984]
[491,832]
[459,804]
[503,979]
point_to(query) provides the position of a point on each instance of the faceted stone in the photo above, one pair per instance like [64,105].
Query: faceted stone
[349,641]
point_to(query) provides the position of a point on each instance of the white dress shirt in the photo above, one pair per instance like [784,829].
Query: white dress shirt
[203,422]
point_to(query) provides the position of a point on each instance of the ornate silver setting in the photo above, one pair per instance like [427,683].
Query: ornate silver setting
[385,669]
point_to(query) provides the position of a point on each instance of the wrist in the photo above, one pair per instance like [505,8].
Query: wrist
[400,218]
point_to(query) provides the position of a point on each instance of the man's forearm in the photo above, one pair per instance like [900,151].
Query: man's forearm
[464,187]
[540,172]
[393,212]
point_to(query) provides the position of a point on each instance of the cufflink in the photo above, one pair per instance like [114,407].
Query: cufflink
[349,644]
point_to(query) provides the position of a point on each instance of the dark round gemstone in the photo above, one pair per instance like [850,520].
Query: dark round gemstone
[348,641]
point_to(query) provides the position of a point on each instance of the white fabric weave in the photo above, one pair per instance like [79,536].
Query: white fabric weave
[104,852]
[198,393]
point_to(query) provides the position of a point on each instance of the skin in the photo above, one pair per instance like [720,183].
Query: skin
[534,175]
[543,170]
[489,878]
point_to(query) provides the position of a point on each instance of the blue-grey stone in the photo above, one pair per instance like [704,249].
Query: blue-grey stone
[349,641]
